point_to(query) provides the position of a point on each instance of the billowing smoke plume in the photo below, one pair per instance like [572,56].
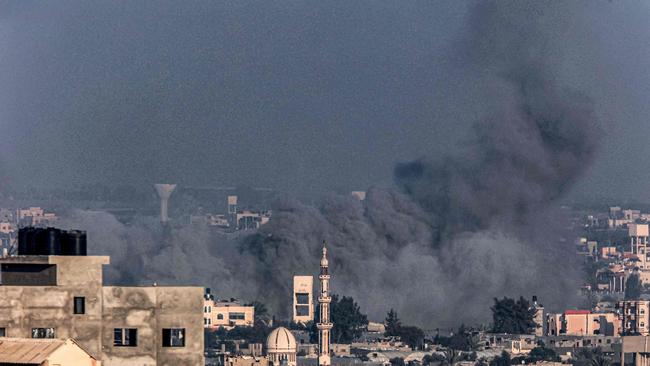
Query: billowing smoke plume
[460,230]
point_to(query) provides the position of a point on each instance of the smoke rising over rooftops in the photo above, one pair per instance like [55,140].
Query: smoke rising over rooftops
[460,228]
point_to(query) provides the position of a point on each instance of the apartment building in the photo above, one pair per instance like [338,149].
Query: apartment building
[635,317]
[63,296]
[228,314]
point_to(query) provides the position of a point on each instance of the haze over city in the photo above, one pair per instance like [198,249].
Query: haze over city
[449,162]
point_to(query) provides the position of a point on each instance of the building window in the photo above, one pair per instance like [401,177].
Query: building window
[3,332]
[302,298]
[237,316]
[80,305]
[220,316]
[173,337]
[125,337]
[42,332]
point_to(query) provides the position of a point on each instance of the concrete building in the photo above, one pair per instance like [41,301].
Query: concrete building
[635,317]
[35,216]
[61,297]
[583,323]
[44,352]
[281,348]
[540,324]
[303,299]
[635,350]
[638,234]
[227,314]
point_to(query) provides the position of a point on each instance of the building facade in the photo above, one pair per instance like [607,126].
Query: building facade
[64,297]
[227,314]
[635,317]
[303,299]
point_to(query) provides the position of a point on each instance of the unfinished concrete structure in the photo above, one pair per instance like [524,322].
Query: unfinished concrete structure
[63,297]
[303,299]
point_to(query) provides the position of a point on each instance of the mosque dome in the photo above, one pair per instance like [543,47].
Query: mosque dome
[280,341]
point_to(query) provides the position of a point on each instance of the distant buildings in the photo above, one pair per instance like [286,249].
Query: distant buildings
[583,323]
[226,314]
[635,317]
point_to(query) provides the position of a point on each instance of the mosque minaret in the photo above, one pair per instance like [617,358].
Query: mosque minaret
[324,300]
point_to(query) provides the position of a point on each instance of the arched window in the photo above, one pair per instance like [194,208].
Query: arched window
[220,316]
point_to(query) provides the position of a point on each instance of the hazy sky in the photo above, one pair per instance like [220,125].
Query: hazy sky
[306,96]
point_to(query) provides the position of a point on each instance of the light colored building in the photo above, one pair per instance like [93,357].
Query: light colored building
[303,299]
[44,352]
[227,314]
[281,348]
[638,234]
[583,323]
[635,317]
[250,220]
[63,297]
[244,360]
[35,216]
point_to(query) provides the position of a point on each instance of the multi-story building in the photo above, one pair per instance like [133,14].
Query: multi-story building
[303,299]
[57,296]
[638,234]
[35,216]
[227,314]
[538,318]
[635,317]
[583,323]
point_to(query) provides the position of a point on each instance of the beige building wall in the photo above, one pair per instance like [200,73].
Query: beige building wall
[635,316]
[70,354]
[147,309]
[228,314]
[303,299]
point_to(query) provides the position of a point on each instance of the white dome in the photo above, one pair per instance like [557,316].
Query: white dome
[280,341]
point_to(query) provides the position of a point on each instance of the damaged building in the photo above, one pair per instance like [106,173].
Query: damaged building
[52,289]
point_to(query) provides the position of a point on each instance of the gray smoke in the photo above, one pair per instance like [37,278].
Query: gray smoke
[460,230]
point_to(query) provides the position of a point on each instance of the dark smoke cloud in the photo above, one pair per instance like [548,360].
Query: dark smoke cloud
[460,229]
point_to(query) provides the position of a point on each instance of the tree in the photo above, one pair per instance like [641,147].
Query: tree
[633,287]
[348,320]
[413,336]
[590,357]
[503,360]
[392,323]
[261,312]
[452,356]
[514,317]
[542,354]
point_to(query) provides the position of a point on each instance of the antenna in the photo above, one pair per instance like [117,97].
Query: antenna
[164,192]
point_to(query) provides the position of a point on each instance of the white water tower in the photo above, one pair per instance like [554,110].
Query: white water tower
[164,192]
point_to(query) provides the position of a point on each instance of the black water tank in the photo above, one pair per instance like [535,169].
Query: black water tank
[22,241]
[53,241]
[30,241]
[74,243]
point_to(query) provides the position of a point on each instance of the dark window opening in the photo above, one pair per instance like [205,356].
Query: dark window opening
[80,305]
[302,310]
[125,337]
[302,298]
[42,332]
[3,332]
[173,337]
[237,316]
[220,316]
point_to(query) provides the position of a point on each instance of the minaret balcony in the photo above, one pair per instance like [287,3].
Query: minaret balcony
[324,299]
